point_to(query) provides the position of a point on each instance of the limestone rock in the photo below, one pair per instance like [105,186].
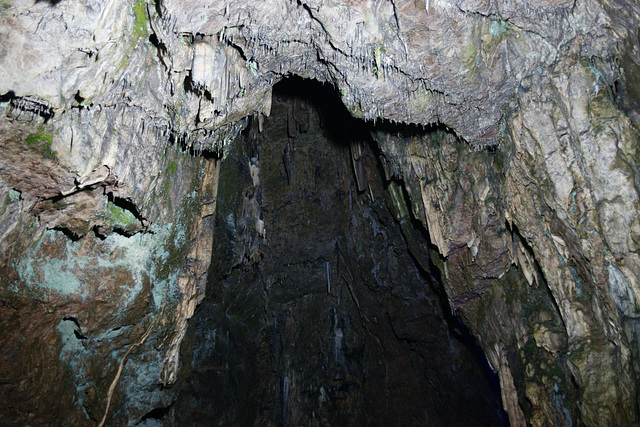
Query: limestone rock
[512,128]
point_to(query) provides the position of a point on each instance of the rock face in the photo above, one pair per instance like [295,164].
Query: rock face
[507,136]
[315,306]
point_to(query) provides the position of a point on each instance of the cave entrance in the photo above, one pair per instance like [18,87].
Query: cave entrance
[316,311]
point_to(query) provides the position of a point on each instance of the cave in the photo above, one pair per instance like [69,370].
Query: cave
[317,311]
[320,212]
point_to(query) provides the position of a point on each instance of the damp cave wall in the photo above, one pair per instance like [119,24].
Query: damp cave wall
[115,116]
[321,315]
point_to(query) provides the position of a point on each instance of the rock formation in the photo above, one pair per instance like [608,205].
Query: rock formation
[159,230]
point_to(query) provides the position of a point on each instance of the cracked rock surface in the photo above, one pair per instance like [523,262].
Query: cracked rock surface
[506,131]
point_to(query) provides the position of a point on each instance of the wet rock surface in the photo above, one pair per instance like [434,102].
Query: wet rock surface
[507,130]
[316,313]
[94,298]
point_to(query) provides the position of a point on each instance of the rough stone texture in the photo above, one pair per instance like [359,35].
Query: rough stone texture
[521,161]
[316,312]
[93,293]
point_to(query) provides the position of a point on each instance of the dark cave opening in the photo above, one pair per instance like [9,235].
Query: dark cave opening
[322,307]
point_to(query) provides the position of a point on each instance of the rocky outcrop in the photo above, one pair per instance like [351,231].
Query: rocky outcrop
[512,128]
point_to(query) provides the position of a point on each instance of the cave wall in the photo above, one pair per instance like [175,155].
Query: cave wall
[316,313]
[115,115]
[95,298]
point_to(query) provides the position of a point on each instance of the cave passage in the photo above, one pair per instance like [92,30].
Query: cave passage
[317,312]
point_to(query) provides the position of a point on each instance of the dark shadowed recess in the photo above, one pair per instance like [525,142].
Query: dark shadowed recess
[338,124]
[317,312]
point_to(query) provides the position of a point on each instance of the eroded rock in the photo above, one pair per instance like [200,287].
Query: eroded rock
[516,148]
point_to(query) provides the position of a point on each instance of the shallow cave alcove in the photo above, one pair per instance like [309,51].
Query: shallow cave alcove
[323,306]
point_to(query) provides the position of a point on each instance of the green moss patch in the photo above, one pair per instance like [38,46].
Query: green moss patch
[41,142]
[120,217]
[140,12]
[172,168]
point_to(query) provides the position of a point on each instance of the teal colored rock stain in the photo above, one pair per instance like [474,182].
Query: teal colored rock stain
[141,255]
[14,195]
[498,28]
